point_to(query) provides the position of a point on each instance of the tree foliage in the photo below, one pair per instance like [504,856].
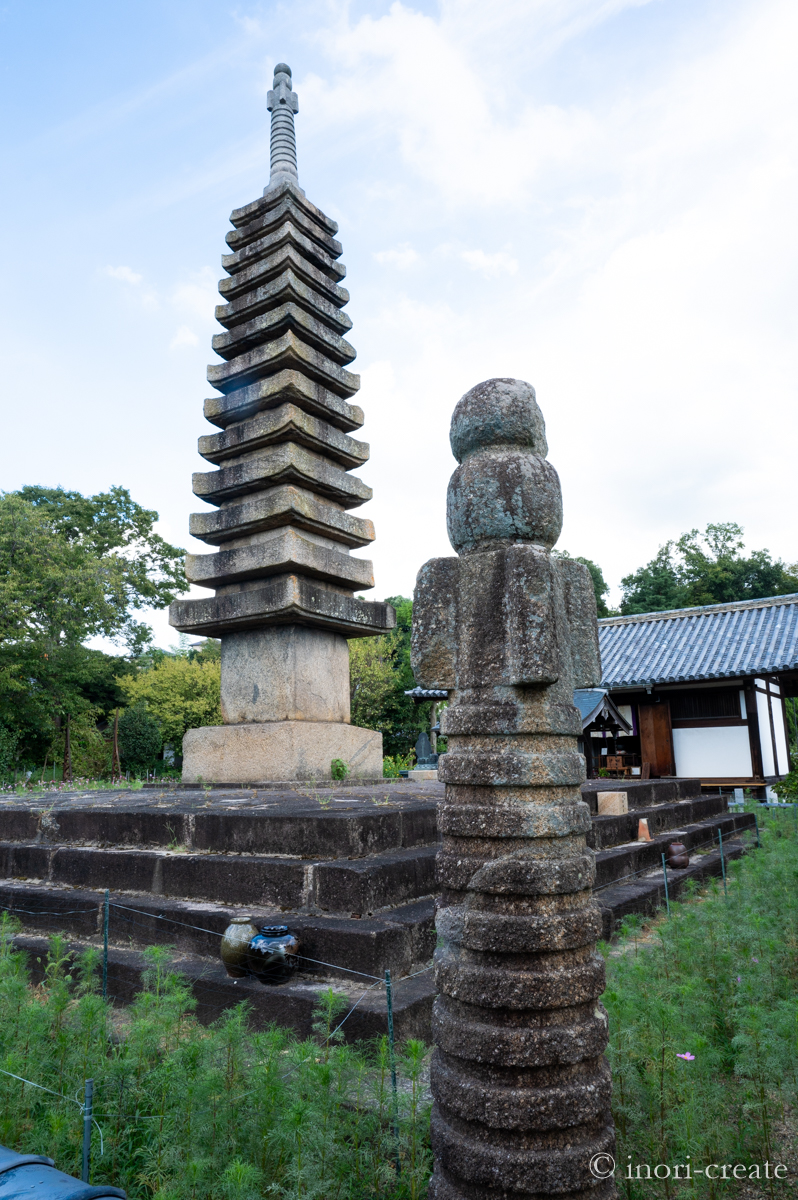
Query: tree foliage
[73,567]
[600,585]
[705,568]
[140,738]
[380,674]
[371,680]
[180,691]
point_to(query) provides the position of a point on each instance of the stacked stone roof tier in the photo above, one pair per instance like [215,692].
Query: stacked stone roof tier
[282,485]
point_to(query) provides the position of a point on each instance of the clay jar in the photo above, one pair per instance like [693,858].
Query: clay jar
[235,946]
[273,954]
[678,858]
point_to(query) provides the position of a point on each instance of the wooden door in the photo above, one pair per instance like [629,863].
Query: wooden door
[656,738]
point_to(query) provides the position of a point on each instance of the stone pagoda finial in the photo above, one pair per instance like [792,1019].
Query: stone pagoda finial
[282,104]
[282,495]
[521,1086]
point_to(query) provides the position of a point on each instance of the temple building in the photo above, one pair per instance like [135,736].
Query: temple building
[704,691]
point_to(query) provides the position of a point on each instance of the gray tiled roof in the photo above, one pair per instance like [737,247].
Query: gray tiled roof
[591,701]
[716,641]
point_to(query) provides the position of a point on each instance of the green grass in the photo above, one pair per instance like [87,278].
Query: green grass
[189,1112]
[717,980]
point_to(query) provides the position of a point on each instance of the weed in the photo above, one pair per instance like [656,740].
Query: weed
[190,1112]
[703,1022]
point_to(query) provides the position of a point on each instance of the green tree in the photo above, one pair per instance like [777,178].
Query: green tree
[102,561]
[140,738]
[72,567]
[600,585]
[706,568]
[371,680]
[383,674]
[180,691]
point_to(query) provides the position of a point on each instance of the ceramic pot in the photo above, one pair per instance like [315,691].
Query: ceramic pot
[235,946]
[273,954]
[677,858]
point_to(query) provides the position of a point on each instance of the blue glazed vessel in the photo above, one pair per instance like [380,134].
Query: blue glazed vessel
[272,954]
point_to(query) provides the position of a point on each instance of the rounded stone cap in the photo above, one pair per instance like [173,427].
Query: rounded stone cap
[503,495]
[282,67]
[498,412]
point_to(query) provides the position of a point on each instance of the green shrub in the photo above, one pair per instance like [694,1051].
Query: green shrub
[787,788]
[339,769]
[140,738]
[8,746]
[392,764]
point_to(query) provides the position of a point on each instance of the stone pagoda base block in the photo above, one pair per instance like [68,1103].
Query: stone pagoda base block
[286,673]
[279,750]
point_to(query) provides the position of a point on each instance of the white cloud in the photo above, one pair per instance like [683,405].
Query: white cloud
[198,295]
[402,257]
[124,273]
[185,336]
[490,264]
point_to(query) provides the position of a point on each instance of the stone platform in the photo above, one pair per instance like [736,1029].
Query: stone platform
[349,867]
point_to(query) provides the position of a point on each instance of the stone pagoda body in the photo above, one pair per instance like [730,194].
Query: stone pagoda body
[283,575]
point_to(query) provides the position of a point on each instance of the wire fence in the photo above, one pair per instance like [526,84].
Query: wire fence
[650,868]
[110,976]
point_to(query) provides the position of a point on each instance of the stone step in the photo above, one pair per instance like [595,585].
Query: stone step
[619,861]
[288,352]
[300,823]
[290,1004]
[285,600]
[275,465]
[273,198]
[642,793]
[616,830]
[273,323]
[286,233]
[281,551]
[401,939]
[245,285]
[645,895]
[360,886]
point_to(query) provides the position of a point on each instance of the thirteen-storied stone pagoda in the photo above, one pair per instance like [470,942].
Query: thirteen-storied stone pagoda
[283,574]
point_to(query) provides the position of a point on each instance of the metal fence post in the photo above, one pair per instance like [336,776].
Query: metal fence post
[722,862]
[106,907]
[665,876]
[392,1053]
[87,1106]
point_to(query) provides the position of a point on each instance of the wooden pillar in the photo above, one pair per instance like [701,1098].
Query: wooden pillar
[753,728]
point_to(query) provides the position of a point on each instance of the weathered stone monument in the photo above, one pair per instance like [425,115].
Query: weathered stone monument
[521,1087]
[283,575]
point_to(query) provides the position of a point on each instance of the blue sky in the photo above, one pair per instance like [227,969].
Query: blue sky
[598,196]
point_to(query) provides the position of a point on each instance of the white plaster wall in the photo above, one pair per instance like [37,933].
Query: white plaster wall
[781,735]
[722,751]
[765,740]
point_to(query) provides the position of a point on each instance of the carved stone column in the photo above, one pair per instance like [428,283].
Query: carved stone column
[521,1086]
